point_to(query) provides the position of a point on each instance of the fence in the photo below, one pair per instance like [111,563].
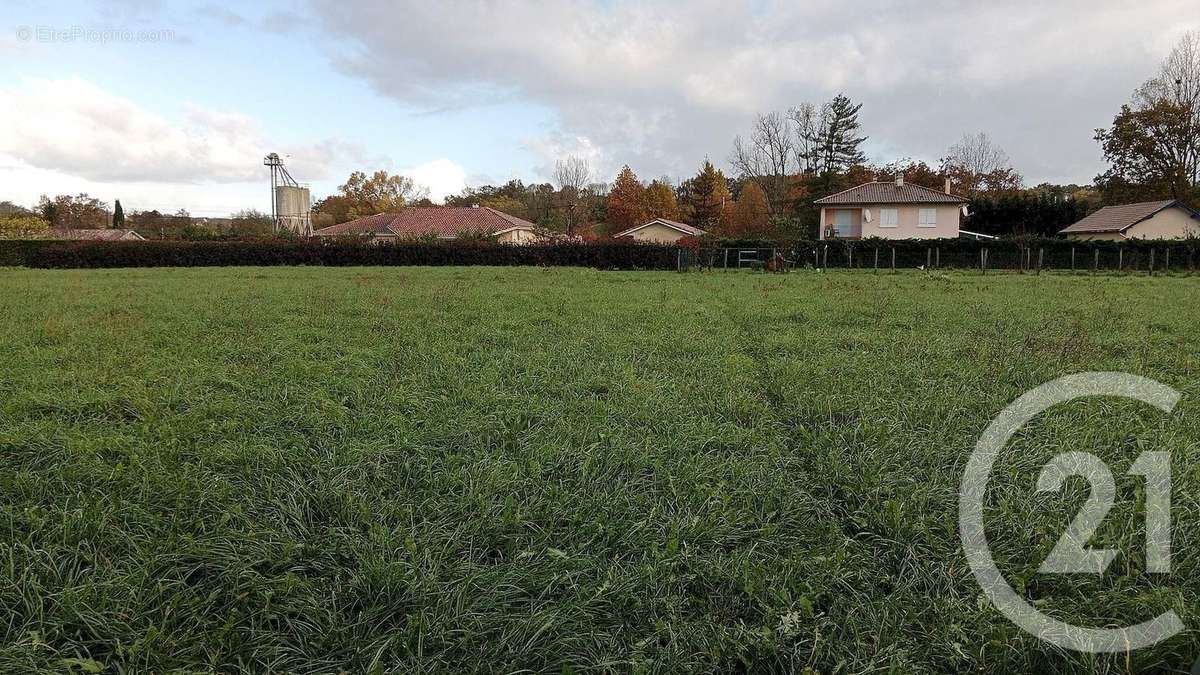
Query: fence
[1026,256]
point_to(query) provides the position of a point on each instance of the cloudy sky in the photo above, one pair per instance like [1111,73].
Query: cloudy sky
[171,105]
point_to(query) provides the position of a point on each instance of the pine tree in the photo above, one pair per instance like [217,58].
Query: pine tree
[118,220]
[707,197]
[626,201]
[839,143]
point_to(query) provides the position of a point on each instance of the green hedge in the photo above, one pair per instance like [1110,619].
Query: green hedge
[344,253]
[16,252]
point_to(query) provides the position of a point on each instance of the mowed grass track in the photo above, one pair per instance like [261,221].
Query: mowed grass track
[509,470]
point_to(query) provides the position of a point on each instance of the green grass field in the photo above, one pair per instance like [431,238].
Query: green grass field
[511,470]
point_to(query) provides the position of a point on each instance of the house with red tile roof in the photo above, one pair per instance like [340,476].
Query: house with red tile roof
[891,210]
[442,222]
[660,231]
[1167,219]
[95,235]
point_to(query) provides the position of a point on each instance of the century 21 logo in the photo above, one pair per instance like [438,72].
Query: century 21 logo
[1070,554]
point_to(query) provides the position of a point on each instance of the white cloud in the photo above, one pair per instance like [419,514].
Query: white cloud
[442,177]
[74,127]
[69,136]
[659,85]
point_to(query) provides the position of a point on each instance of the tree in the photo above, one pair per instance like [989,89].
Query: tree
[251,223]
[975,165]
[705,196]
[750,217]
[23,226]
[77,212]
[626,201]
[118,219]
[838,143]
[767,157]
[1153,145]
[660,201]
[8,208]
[806,125]
[363,196]
[915,172]
[572,174]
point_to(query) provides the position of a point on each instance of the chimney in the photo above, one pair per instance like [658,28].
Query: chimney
[900,180]
[947,190]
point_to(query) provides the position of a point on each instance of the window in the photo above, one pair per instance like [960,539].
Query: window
[927,218]
[843,223]
[889,217]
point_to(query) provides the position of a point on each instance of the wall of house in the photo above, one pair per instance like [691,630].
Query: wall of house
[908,218]
[1172,223]
[660,234]
[517,237]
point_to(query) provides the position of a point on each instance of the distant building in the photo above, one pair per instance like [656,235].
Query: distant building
[1167,219]
[660,231]
[891,210]
[442,222]
[95,235]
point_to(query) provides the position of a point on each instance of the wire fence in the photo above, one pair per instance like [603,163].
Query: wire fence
[980,256]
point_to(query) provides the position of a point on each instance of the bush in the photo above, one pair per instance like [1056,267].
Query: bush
[625,256]
[16,252]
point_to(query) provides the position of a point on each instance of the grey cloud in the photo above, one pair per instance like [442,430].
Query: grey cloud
[661,85]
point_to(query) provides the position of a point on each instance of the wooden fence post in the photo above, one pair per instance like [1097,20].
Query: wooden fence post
[982,269]
[1120,258]
[825,257]
[1152,261]
[1095,260]
[893,259]
[876,259]
[1041,259]
[937,257]
[1072,258]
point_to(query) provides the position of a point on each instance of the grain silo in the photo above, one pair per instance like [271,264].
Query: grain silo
[290,201]
[293,209]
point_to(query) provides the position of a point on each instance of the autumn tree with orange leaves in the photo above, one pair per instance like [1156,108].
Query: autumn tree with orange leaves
[626,201]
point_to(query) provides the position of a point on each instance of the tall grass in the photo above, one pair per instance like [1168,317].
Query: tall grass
[508,470]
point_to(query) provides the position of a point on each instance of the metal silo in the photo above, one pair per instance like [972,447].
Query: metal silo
[293,209]
[290,201]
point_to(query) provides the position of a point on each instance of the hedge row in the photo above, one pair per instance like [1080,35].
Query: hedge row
[867,253]
[344,253]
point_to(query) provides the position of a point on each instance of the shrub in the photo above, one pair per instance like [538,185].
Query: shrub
[625,256]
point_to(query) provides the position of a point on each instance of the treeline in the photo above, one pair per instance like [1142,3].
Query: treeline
[84,212]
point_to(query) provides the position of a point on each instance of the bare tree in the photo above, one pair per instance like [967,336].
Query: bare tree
[767,157]
[976,164]
[572,174]
[808,126]
[1178,82]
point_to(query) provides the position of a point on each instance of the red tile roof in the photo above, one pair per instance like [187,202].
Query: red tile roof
[1118,218]
[440,221]
[674,224]
[888,192]
[93,235]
